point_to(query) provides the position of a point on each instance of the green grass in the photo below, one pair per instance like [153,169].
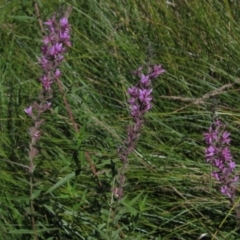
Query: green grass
[169,193]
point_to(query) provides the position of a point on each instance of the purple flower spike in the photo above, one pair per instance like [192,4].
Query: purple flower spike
[53,48]
[219,155]
[54,44]
[139,104]
[141,99]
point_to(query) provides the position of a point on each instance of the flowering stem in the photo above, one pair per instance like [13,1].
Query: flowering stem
[32,208]
[54,45]
[140,103]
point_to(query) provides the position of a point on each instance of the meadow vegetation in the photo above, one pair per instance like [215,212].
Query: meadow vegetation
[168,191]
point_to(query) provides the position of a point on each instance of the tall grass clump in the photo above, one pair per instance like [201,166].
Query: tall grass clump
[82,156]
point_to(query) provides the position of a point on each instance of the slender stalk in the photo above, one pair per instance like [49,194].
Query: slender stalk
[140,103]
[54,45]
[67,105]
[38,16]
[32,208]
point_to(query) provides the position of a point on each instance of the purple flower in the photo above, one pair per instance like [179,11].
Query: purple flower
[55,49]
[216,175]
[226,154]
[134,111]
[46,82]
[37,134]
[64,22]
[28,111]
[210,136]
[49,22]
[225,137]
[57,73]
[157,70]
[225,191]
[232,164]
[218,163]
[64,36]
[133,92]
[46,40]
[58,48]
[210,151]
[145,79]
[145,95]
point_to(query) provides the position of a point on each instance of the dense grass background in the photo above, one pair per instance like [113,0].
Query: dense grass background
[169,193]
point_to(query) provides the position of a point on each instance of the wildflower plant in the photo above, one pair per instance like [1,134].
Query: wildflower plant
[218,154]
[139,104]
[54,44]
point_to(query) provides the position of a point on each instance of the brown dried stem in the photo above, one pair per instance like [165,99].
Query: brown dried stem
[195,101]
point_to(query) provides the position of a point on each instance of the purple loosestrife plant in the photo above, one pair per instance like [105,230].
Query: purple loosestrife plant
[54,45]
[140,103]
[218,154]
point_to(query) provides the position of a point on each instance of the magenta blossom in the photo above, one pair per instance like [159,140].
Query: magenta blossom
[28,111]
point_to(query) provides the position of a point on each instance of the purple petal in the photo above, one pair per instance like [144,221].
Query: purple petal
[28,111]
[145,79]
[157,70]
[64,22]
[57,73]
